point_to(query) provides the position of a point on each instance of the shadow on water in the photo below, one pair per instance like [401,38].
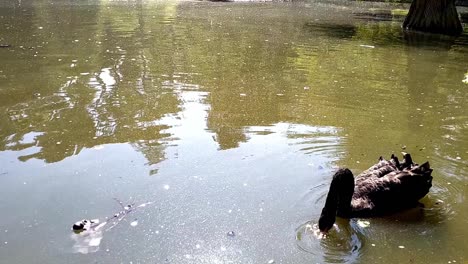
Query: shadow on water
[380,33]
[381,15]
[341,31]
[464,17]
[383,29]
[441,42]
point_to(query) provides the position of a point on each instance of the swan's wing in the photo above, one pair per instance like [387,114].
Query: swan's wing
[407,162]
[380,169]
[396,191]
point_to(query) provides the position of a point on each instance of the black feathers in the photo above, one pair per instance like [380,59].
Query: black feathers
[384,188]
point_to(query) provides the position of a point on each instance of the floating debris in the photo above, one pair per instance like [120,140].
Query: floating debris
[231,234]
[401,246]
[363,223]
[466,78]
[367,46]
[88,234]
[84,225]
[271,261]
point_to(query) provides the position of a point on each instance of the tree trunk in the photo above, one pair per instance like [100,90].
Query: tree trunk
[434,16]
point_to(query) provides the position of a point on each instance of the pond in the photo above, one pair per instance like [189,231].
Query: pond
[227,120]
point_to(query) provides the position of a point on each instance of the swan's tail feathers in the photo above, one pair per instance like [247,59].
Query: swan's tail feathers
[415,182]
[395,161]
[424,169]
[424,178]
[426,166]
[407,162]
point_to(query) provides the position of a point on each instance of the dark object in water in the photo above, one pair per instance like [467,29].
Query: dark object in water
[84,225]
[433,16]
[387,187]
[5,45]
[80,225]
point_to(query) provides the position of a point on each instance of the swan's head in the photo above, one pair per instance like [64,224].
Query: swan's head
[327,219]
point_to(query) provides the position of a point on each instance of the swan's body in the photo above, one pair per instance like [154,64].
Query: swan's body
[386,187]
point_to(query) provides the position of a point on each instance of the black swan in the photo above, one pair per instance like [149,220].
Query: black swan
[386,187]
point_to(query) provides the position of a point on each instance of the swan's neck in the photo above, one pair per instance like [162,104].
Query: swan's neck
[338,199]
[340,195]
[328,215]
[345,195]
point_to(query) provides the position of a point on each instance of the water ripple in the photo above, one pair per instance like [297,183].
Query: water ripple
[342,244]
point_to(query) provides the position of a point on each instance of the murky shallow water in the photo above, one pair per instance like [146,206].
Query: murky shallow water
[229,117]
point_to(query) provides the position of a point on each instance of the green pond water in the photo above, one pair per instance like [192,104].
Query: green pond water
[231,119]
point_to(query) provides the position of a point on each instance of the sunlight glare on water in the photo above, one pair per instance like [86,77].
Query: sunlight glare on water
[230,119]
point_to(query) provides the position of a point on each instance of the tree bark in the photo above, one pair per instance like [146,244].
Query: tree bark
[434,16]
